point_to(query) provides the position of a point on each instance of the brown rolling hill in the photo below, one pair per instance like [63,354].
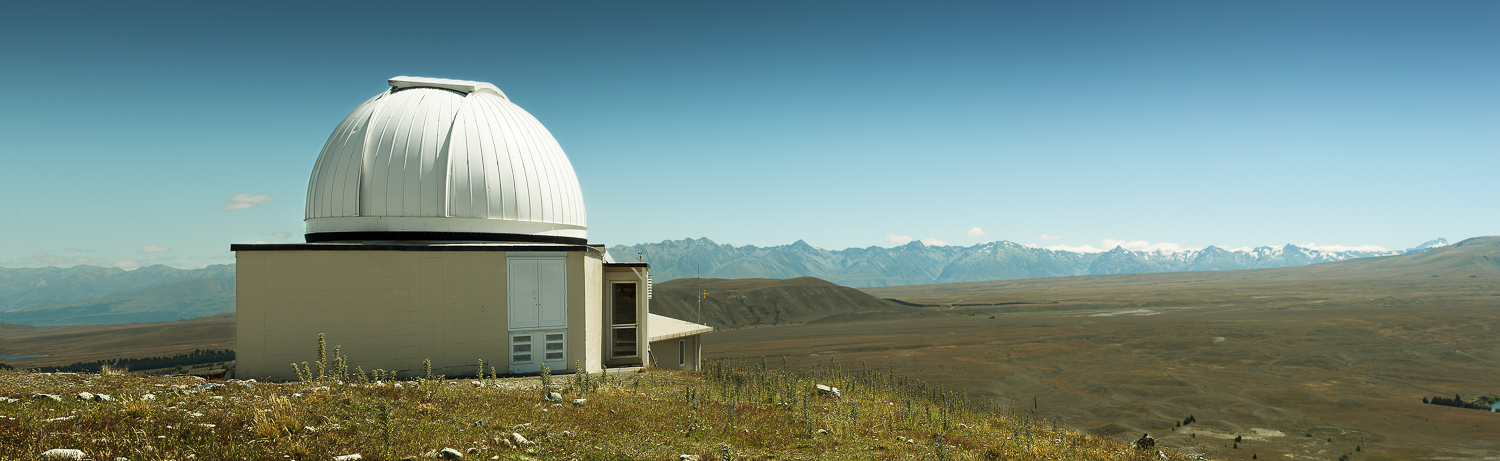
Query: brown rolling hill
[733,303]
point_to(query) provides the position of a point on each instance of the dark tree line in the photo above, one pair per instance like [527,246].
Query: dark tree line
[1481,403]
[196,357]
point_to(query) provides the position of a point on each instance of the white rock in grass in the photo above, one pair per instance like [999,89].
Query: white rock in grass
[62,453]
[52,397]
[579,401]
[553,397]
[103,398]
[476,383]
[85,396]
[353,457]
[449,453]
[827,390]
[148,397]
[519,439]
[688,458]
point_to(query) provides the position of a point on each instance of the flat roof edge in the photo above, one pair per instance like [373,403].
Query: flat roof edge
[681,334]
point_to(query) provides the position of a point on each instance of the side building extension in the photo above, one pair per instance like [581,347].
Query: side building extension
[444,223]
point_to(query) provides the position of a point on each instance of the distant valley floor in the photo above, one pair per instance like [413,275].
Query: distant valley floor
[1270,372]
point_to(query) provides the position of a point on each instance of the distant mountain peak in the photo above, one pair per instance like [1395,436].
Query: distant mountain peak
[1430,244]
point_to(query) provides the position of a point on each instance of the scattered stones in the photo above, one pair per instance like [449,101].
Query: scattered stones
[1146,442]
[52,397]
[828,390]
[476,383]
[320,389]
[148,397]
[688,458]
[353,457]
[103,398]
[62,453]
[822,431]
[85,396]
[552,397]
[8,400]
[472,450]
[579,401]
[202,387]
[64,418]
[519,439]
[449,453]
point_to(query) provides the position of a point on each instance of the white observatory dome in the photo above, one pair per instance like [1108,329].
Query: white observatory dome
[445,160]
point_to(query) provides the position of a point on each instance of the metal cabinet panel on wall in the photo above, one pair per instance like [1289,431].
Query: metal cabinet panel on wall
[552,293]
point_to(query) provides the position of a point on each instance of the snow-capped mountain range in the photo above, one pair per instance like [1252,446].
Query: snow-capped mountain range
[916,263]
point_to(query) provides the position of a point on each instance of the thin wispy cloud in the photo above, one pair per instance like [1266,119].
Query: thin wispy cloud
[155,249]
[246,201]
[976,232]
[1342,248]
[1049,237]
[281,235]
[1075,249]
[1132,245]
[1142,245]
[905,239]
[127,264]
[43,258]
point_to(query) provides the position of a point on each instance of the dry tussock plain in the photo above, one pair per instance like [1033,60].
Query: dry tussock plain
[1315,362]
[730,411]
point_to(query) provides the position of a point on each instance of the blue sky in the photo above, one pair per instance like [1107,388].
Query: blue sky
[128,130]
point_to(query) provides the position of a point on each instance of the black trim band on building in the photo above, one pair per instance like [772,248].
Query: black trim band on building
[646,265]
[318,237]
[397,246]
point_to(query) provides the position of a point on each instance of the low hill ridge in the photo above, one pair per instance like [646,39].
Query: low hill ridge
[745,302]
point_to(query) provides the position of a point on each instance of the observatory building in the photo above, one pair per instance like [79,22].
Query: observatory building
[444,223]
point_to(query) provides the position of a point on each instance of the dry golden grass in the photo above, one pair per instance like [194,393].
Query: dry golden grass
[727,412]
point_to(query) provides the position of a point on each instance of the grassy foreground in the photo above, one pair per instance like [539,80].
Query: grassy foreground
[729,411]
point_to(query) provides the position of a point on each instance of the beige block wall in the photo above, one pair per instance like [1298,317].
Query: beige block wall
[593,312]
[664,353]
[387,309]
